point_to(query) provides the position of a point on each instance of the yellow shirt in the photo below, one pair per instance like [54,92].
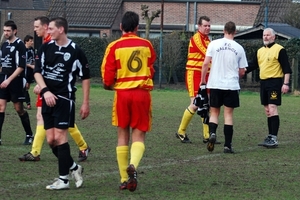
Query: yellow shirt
[268,63]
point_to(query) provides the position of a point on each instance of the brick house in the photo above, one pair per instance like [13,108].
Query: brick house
[102,18]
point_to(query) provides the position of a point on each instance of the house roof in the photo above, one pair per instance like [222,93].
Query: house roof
[41,4]
[25,4]
[283,31]
[276,10]
[86,13]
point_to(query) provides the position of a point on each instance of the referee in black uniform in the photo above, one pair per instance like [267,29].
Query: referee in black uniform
[274,73]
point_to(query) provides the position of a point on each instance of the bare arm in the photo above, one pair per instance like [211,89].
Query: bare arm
[16,73]
[242,72]
[49,97]
[30,66]
[285,86]
[85,107]
[205,65]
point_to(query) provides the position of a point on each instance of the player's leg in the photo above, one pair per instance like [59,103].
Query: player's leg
[231,101]
[228,129]
[271,99]
[39,137]
[192,81]
[27,96]
[24,117]
[122,151]
[216,101]
[141,120]
[3,103]
[16,90]
[120,120]
[84,149]
[64,110]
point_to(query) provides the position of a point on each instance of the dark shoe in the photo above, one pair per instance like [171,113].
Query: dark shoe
[132,178]
[28,140]
[83,155]
[211,141]
[228,150]
[29,157]
[206,141]
[123,186]
[270,141]
[183,138]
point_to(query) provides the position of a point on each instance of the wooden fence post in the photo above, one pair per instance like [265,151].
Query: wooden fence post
[294,74]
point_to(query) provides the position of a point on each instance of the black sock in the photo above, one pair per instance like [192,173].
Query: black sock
[269,126]
[2,116]
[212,127]
[275,124]
[65,161]
[64,180]
[75,168]
[26,123]
[228,133]
[55,151]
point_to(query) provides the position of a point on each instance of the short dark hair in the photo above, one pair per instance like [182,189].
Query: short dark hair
[60,22]
[27,38]
[11,24]
[44,20]
[230,27]
[130,21]
[205,18]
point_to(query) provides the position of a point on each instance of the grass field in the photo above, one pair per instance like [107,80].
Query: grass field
[169,169]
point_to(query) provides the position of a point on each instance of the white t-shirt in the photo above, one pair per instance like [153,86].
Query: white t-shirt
[227,57]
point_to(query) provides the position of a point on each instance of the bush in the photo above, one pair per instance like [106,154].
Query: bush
[175,48]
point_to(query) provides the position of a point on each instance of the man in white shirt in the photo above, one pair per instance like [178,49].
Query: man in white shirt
[228,63]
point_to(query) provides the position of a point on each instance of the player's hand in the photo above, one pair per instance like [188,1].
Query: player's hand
[50,98]
[84,110]
[36,89]
[285,89]
[4,84]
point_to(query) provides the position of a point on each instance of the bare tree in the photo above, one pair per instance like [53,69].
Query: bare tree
[172,56]
[292,15]
[148,19]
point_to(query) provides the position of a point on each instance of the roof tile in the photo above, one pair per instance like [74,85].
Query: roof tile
[86,12]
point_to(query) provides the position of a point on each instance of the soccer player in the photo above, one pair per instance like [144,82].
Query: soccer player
[127,68]
[228,62]
[196,53]
[13,62]
[274,73]
[28,41]
[57,64]
[41,27]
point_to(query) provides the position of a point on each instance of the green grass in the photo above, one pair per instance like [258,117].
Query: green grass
[169,169]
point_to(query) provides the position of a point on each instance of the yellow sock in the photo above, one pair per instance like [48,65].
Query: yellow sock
[205,130]
[136,153]
[122,158]
[39,137]
[77,137]
[186,118]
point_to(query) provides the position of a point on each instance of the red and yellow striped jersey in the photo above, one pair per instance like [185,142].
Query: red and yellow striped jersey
[196,52]
[128,63]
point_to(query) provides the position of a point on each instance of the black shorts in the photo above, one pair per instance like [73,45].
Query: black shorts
[270,91]
[228,98]
[61,116]
[14,91]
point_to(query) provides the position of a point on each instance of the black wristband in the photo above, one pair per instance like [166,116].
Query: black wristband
[286,84]
[45,89]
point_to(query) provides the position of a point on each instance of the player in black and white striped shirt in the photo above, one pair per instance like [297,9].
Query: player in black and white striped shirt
[13,61]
